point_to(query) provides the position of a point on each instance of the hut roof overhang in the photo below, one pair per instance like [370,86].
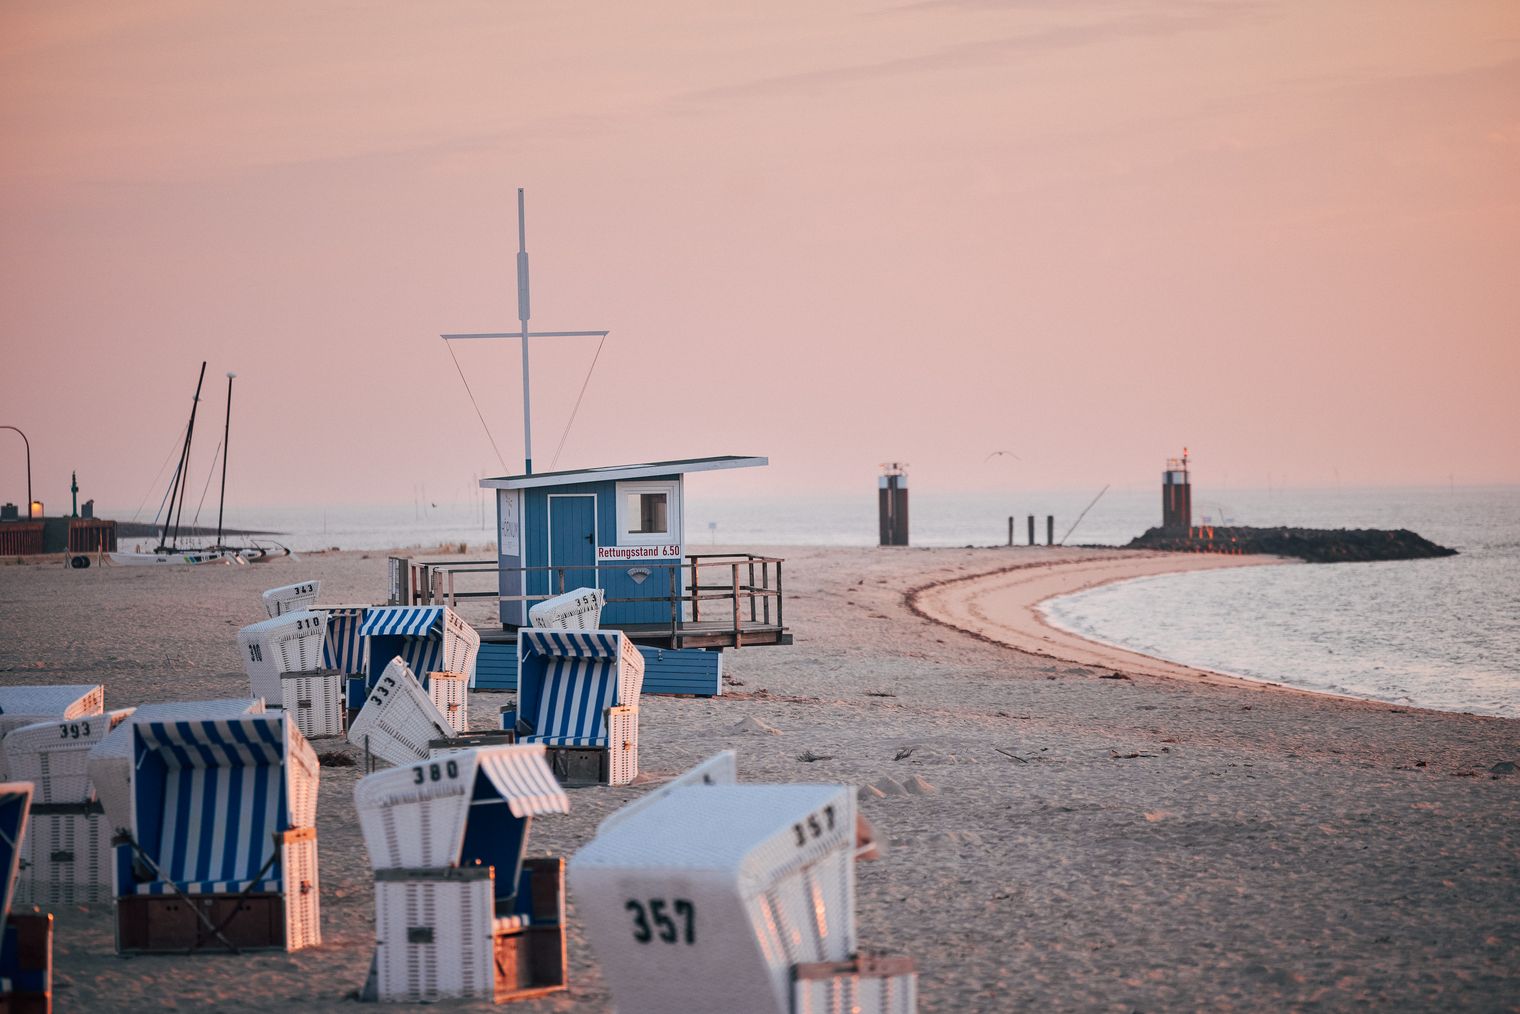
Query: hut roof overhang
[607,473]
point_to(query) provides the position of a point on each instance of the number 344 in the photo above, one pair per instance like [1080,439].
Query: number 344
[647,923]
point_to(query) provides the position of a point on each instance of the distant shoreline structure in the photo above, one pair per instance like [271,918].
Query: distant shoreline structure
[142,530]
[1315,545]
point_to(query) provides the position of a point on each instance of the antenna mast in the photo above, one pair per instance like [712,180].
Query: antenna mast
[523,314]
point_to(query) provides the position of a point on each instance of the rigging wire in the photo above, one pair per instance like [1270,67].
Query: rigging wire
[1089,507]
[178,441]
[210,473]
[555,460]
[450,346]
[173,481]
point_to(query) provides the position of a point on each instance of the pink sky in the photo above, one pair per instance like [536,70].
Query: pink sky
[1286,235]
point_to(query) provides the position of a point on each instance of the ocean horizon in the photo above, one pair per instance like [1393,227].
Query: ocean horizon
[1441,633]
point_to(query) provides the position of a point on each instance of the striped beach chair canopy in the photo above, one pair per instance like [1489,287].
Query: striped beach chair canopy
[209,795]
[344,649]
[110,761]
[15,803]
[428,638]
[567,679]
[468,808]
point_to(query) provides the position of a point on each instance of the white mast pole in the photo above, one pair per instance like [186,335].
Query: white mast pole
[522,315]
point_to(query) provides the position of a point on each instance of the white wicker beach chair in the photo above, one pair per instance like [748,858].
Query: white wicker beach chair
[579,609]
[428,638]
[291,598]
[26,939]
[713,895]
[109,762]
[25,705]
[398,719]
[223,845]
[578,695]
[53,755]
[68,843]
[292,642]
[458,911]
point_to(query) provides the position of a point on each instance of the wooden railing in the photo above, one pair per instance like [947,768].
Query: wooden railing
[725,591]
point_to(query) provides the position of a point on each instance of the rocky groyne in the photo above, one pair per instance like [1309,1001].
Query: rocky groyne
[1316,545]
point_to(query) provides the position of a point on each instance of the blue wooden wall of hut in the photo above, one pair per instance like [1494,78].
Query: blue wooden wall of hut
[694,671]
[557,518]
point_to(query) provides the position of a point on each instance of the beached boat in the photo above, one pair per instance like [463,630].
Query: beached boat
[168,551]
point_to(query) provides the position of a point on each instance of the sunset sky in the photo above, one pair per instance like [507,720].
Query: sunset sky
[1286,235]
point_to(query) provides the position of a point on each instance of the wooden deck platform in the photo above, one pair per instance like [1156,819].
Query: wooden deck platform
[687,634]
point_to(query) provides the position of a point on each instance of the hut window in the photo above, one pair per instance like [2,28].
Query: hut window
[649,513]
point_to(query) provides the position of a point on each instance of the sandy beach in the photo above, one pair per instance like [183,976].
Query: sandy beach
[1067,826]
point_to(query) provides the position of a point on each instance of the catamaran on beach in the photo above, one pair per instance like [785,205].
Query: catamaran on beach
[168,551]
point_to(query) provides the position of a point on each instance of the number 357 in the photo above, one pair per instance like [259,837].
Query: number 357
[653,921]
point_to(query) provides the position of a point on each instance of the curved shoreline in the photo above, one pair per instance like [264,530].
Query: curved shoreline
[1003,607]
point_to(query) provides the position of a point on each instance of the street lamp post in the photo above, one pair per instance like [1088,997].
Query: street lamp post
[28,444]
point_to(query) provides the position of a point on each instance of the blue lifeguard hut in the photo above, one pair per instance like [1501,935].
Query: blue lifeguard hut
[618,528]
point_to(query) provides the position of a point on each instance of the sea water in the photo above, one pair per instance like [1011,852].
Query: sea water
[1441,633]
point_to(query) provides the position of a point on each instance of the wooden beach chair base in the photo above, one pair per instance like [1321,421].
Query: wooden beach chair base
[26,964]
[176,922]
[439,938]
[67,852]
[615,764]
[867,984]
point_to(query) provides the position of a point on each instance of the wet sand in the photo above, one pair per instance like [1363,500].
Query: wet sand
[1056,838]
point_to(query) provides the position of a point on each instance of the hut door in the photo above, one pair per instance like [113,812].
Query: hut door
[572,541]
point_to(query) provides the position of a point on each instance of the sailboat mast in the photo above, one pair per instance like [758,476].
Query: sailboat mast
[522,315]
[184,478]
[226,447]
[177,486]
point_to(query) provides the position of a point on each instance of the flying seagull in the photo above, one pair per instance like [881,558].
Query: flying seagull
[994,454]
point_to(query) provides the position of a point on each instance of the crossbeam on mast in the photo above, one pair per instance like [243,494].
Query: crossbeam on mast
[523,334]
[518,334]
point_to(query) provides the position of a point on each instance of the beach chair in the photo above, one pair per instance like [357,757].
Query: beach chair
[578,609]
[344,651]
[458,911]
[25,705]
[428,638]
[109,762]
[67,852]
[222,851]
[712,895]
[26,939]
[291,598]
[578,695]
[291,642]
[398,719]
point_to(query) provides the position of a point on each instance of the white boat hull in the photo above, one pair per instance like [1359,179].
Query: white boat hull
[198,557]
